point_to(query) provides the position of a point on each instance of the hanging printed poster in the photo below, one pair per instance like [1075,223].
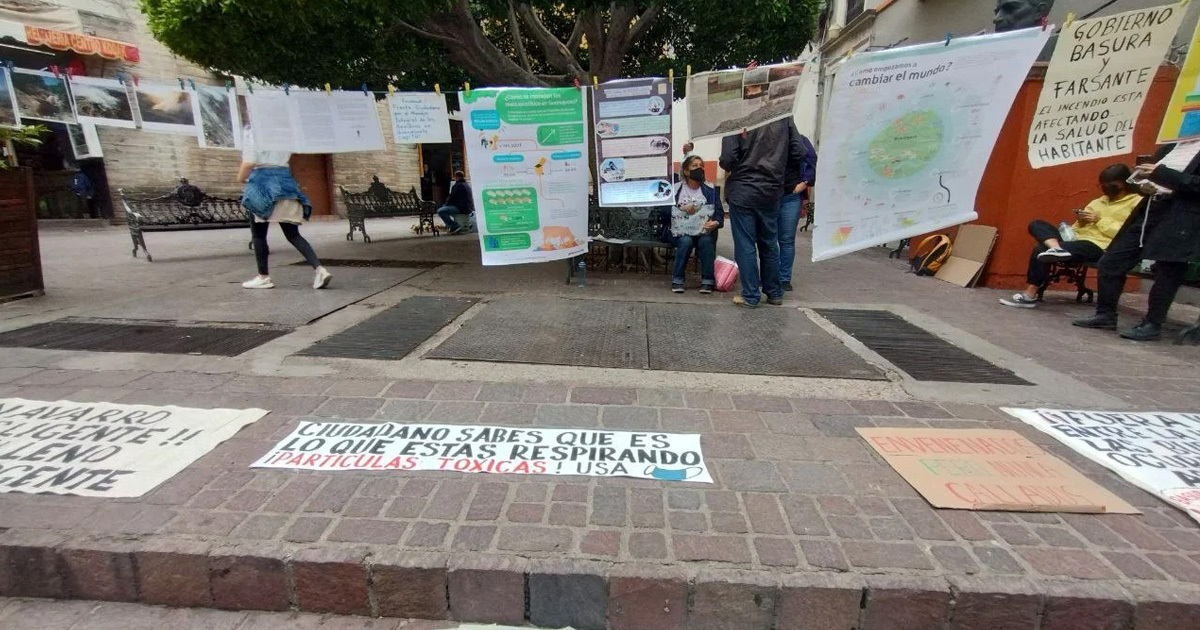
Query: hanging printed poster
[8,101]
[306,121]
[528,154]
[390,446]
[166,108]
[42,96]
[220,121]
[728,101]
[908,134]
[419,117]
[1158,452]
[103,102]
[1097,81]
[633,142]
[1182,120]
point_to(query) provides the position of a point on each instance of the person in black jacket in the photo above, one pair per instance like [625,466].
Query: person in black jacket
[757,163]
[1165,229]
[460,201]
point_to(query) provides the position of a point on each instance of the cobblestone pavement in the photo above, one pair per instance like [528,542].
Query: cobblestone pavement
[796,491]
[35,614]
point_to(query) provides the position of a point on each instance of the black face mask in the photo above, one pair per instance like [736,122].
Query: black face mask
[696,175]
[1112,190]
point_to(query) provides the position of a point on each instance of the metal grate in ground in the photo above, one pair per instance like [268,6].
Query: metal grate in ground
[916,351]
[588,333]
[768,341]
[225,341]
[395,332]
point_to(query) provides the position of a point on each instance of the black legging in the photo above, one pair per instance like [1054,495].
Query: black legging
[291,231]
[1081,251]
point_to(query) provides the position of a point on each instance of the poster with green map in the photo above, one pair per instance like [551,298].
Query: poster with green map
[908,133]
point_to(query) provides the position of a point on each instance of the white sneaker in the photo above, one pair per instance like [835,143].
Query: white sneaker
[259,282]
[321,280]
[1020,300]
[1054,254]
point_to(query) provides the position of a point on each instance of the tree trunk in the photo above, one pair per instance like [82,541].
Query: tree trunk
[459,33]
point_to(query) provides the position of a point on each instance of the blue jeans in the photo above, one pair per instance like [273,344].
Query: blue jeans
[447,213]
[789,220]
[754,242]
[706,250]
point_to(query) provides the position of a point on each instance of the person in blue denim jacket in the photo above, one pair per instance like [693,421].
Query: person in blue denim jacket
[272,195]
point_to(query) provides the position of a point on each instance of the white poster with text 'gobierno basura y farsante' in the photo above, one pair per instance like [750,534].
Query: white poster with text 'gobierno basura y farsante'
[1096,83]
[908,133]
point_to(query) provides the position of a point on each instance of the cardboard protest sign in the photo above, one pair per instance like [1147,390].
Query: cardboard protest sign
[985,469]
[972,247]
[489,449]
[105,449]
[1157,452]
[1096,83]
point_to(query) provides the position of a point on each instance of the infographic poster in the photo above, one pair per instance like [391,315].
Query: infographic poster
[728,101]
[527,148]
[1098,78]
[633,142]
[1182,120]
[908,133]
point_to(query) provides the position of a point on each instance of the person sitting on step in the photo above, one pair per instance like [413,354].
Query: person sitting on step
[1093,230]
[459,201]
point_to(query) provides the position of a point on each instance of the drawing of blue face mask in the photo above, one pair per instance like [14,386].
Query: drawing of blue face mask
[668,474]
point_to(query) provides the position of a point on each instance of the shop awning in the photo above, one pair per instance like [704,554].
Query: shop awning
[62,40]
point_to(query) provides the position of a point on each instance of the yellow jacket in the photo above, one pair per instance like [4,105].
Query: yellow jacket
[1112,216]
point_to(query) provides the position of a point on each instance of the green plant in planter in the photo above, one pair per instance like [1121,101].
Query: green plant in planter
[28,135]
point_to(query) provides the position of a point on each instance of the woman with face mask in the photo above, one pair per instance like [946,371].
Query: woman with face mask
[695,218]
[1085,241]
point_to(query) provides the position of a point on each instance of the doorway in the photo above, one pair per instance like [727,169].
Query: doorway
[312,173]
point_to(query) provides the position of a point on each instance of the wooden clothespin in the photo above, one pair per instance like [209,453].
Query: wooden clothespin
[437,89]
[391,88]
[120,77]
[364,89]
[1045,21]
[577,83]
[70,72]
[1071,18]
[328,90]
[1184,3]
[949,36]
[467,89]
[192,84]
[595,81]
[54,70]
[181,85]
[287,90]
[249,87]
[228,85]
[671,76]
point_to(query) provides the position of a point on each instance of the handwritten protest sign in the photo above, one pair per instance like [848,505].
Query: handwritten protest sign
[983,469]
[1096,84]
[1157,452]
[488,449]
[105,449]
[419,117]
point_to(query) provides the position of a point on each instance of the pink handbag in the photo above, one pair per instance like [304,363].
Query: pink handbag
[726,272]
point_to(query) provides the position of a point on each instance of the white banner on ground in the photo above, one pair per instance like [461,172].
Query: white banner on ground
[306,121]
[419,117]
[476,449]
[528,152]
[1098,78]
[105,449]
[1157,452]
[908,133]
[728,101]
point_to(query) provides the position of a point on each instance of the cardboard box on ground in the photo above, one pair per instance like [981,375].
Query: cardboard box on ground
[968,256]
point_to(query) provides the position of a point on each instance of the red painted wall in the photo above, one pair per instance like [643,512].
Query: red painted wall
[1013,193]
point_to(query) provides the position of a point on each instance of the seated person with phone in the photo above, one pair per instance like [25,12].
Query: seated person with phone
[1085,241]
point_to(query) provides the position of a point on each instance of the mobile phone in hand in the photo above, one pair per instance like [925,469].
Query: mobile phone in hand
[1144,159]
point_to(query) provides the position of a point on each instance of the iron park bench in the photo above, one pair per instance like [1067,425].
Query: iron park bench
[380,202]
[185,208]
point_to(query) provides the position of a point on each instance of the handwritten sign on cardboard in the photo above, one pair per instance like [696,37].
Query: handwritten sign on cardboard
[989,469]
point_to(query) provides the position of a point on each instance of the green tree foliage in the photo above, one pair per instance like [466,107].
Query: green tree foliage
[495,42]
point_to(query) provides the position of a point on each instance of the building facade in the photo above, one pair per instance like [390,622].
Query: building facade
[141,162]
